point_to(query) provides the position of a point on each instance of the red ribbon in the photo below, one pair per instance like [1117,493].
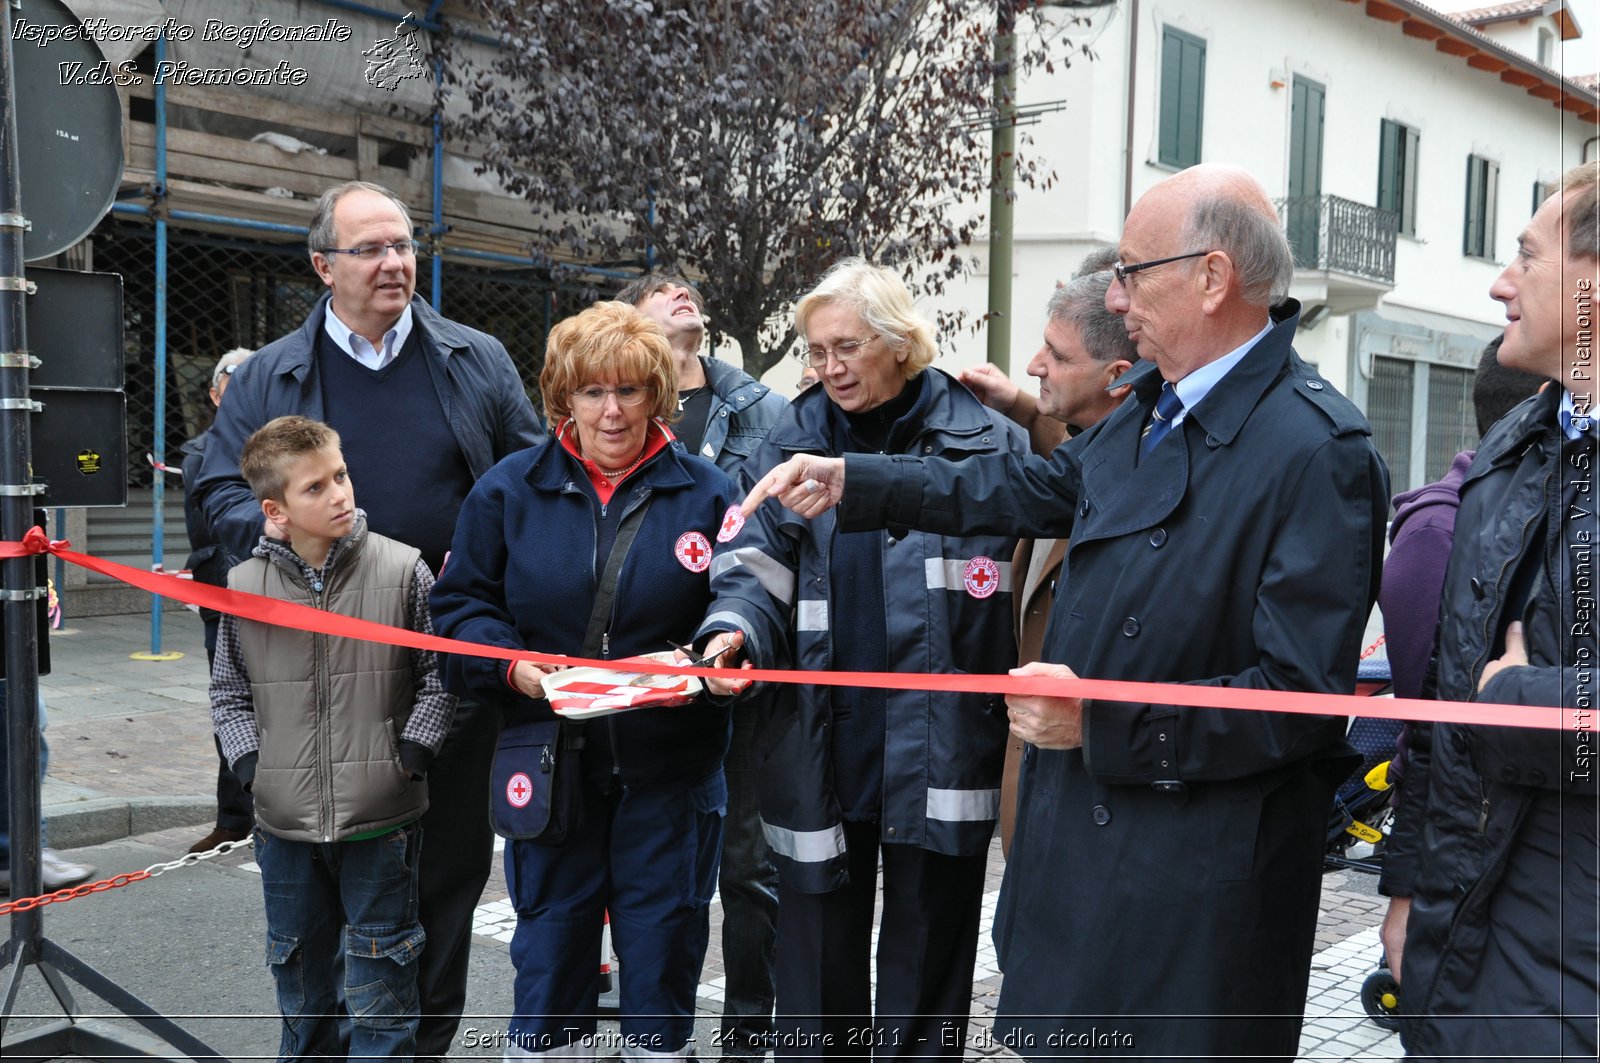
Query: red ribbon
[287,614]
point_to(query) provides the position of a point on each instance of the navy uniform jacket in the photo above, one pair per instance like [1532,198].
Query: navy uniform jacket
[943,751]
[521,575]
[1172,865]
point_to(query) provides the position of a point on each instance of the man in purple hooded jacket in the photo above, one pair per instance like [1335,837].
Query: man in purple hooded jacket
[1420,536]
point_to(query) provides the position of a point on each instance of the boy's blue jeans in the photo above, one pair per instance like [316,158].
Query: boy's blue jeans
[366,892]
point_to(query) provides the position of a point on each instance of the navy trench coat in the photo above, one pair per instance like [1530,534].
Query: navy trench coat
[1163,879]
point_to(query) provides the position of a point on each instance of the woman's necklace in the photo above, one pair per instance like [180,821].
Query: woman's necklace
[620,473]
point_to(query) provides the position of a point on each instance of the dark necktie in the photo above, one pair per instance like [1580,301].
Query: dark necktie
[1168,406]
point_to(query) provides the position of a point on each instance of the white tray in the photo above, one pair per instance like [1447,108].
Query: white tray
[584,693]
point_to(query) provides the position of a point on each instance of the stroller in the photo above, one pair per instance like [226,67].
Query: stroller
[1360,816]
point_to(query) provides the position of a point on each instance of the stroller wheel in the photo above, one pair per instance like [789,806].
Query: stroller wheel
[1380,996]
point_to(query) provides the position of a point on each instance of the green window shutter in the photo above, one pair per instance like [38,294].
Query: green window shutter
[1491,197]
[1183,72]
[1472,226]
[1194,95]
[1388,165]
[1171,88]
[1541,192]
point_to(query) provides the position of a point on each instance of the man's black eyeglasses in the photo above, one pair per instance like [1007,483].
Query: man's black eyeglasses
[403,248]
[1122,271]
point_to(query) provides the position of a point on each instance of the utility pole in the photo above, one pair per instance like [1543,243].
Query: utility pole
[1002,184]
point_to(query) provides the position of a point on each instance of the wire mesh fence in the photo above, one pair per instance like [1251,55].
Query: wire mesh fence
[227,291]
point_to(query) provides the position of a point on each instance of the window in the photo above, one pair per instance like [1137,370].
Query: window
[1452,418]
[1547,48]
[1421,412]
[1183,91]
[1541,192]
[1397,173]
[1389,397]
[1483,187]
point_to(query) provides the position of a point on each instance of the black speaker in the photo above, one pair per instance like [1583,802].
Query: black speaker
[80,440]
[80,447]
[75,329]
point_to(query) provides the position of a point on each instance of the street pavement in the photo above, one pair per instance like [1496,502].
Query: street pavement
[131,784]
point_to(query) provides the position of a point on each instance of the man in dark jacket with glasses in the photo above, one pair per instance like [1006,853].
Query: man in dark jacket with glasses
[424,407]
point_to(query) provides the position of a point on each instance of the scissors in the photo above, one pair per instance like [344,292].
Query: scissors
[694,661]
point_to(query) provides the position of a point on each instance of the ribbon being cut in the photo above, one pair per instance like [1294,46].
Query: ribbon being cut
[285,614]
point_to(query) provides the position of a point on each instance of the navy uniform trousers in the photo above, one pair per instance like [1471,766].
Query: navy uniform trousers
[648,855]
[927,945]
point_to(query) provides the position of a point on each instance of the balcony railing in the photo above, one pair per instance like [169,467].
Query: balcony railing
[1330,233]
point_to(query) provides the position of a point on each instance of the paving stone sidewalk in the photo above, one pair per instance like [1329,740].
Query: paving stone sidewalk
[130,740]
[131,754]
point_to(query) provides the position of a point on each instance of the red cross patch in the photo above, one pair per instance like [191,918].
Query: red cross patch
[693,551]
[732,524]
[982,577]
[519,790]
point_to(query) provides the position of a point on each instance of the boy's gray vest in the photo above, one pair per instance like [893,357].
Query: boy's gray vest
[331,710]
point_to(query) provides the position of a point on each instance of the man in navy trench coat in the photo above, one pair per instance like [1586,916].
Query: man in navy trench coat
[1161,895]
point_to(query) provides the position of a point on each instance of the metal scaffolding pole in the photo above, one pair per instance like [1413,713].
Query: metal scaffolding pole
[158,443]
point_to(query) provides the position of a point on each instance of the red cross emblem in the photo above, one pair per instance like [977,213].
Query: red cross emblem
[982,577]
[693,551]
[519,790]
[732,523]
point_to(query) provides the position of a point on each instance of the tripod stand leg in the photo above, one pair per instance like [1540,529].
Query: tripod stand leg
[8,955]
[124,1001]
[58,987]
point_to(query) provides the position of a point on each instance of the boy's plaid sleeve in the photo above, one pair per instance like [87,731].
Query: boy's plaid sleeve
[434,709]
[233,709]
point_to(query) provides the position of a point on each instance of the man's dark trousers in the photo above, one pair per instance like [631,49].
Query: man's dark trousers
[453,872]
[749,886]
[236,809]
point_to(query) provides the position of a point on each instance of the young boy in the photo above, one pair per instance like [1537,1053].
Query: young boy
[333,737]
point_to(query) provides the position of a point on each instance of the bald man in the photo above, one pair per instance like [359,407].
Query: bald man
[1226,527]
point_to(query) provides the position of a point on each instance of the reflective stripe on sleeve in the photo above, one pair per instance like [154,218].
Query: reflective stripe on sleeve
[812,616]
[774,576]
[809,846]
[963,805]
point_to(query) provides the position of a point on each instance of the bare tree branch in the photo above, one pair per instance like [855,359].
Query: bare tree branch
[750,144]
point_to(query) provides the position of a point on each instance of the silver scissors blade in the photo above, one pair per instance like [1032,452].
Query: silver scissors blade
[694,661]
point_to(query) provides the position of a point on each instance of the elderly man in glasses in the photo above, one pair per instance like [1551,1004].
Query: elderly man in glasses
[424,406]
[1226,526]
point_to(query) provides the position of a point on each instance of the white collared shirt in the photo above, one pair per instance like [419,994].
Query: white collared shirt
[360,348]
[1198,384]
[1573,423]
